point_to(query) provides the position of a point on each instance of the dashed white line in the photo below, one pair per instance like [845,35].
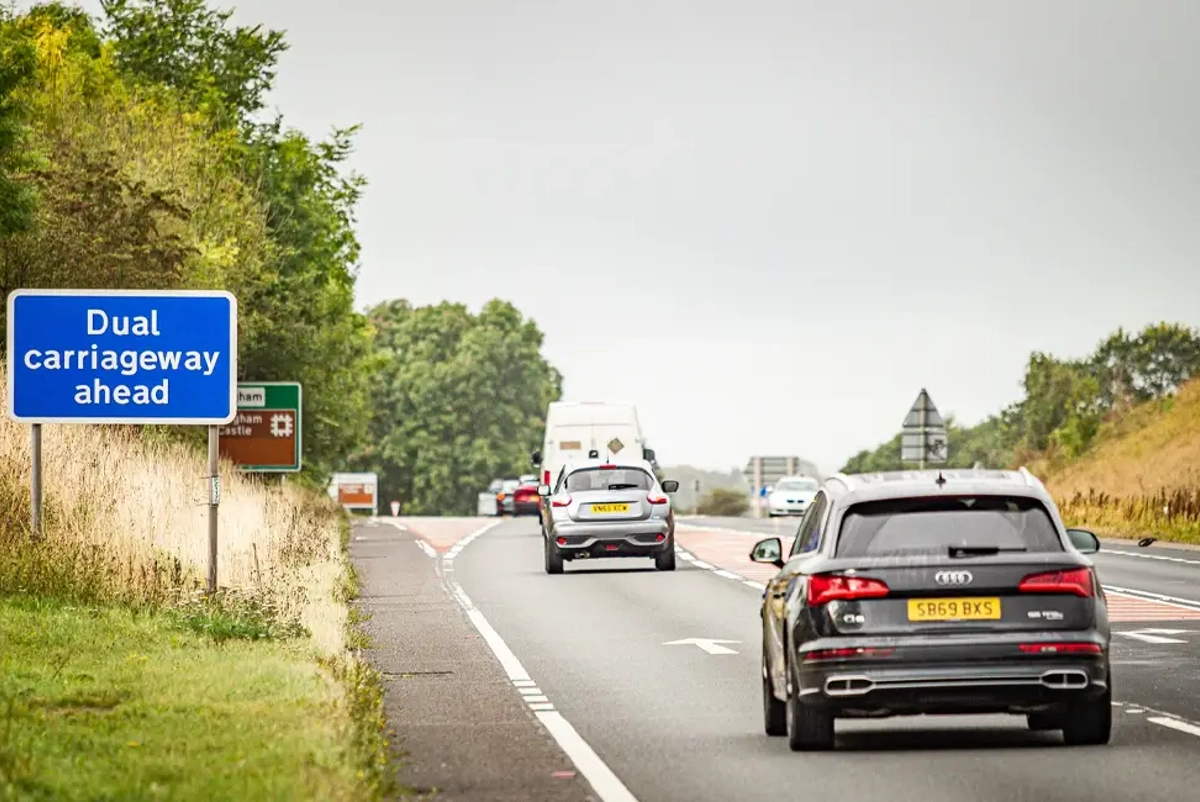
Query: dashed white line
[1161,557]
[604,782]
[1174,601]
[425,547]
[1176,724]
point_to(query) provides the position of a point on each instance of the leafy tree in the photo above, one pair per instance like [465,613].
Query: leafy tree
[189,47]
[461,399]
[1065,402]
[17,64]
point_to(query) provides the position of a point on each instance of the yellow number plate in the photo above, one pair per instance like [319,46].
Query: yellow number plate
[953,609]
[604,509]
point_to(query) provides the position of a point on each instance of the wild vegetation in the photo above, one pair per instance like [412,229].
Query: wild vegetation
[1116,435]
[723,502]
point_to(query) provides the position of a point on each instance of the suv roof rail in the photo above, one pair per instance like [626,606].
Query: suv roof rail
[844,478]
[1030,479]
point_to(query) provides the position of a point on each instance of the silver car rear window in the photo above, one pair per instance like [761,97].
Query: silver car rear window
[587,479]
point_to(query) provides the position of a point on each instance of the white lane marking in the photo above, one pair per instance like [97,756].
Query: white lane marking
[1176,724]
[704,565]
[721,572]
[1161,557]
[1154,635]
[587,761]
[1175,601]
[710,645]
[603,781]
[539,698]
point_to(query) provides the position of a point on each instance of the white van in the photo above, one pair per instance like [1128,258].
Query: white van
[575,429]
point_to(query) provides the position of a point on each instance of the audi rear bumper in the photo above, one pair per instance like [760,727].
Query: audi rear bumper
[993,678]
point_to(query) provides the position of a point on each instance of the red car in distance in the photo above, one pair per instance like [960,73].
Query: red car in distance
[526,500]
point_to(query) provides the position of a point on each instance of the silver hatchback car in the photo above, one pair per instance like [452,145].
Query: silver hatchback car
[608,509]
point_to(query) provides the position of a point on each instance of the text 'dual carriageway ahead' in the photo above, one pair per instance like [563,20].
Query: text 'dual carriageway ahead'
[122,356]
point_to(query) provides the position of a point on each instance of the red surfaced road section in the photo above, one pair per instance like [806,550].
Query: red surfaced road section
[726,550]
[442,533]
[731,552]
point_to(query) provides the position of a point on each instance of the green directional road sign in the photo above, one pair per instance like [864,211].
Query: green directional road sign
[265,435]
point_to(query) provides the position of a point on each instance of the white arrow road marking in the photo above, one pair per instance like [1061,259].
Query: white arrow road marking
[710,645]
[1155,635]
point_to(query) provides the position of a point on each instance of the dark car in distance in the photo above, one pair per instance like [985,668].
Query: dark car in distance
[935,592]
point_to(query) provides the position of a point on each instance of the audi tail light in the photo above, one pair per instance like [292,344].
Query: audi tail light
[1077,582]
[565,501]
[824,588]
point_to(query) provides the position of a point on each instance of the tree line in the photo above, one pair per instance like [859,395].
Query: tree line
[135,153]
[1065,401]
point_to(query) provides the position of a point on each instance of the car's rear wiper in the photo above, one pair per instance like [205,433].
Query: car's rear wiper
[972,551]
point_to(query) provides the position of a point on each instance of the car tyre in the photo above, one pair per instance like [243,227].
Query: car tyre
[554,559]
[809,728]
[665,559]
[774,711]
[1089,722]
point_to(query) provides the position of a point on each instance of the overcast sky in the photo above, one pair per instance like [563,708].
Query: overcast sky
[770,223]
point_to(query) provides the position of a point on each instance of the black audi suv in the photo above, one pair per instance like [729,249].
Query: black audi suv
[937,592]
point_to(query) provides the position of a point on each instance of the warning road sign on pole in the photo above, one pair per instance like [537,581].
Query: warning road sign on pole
[923,439]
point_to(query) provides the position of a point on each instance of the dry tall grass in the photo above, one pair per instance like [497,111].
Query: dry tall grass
[126,520]
[1142,477]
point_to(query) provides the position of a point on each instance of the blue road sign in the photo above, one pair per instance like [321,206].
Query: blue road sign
[122,356]
[762,492]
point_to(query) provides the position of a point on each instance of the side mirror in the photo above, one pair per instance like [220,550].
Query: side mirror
[543,490]
[768,551]
[648,454]
[536,458]
[670,485]
[1084,541]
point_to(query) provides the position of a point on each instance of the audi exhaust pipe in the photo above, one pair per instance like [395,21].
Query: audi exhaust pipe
[1069,680]
[848,685]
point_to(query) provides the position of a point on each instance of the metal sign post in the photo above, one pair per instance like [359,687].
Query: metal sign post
[123,357]
[35,495]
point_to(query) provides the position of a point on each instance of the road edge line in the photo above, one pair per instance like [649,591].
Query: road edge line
[603,780]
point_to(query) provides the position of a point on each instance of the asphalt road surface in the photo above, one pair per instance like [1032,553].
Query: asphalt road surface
[596,653]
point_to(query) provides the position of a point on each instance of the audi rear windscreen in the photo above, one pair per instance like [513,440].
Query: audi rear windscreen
[897,527]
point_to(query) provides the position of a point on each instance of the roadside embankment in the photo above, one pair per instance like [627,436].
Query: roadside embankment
[120,680]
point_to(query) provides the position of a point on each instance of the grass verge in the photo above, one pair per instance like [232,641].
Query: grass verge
[119,681]
[111,703]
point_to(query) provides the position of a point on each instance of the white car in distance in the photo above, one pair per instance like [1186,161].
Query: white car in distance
[791,495]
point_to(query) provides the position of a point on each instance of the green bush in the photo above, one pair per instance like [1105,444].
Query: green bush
[722,502]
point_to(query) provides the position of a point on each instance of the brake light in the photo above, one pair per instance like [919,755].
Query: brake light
[561,502]
[545,477]
[826,588]
[655,499]
[1061,648]
[1077,581]
[499,497]
[608,467]
[843,654]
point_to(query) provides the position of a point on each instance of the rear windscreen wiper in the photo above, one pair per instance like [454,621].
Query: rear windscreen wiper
[971,551]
